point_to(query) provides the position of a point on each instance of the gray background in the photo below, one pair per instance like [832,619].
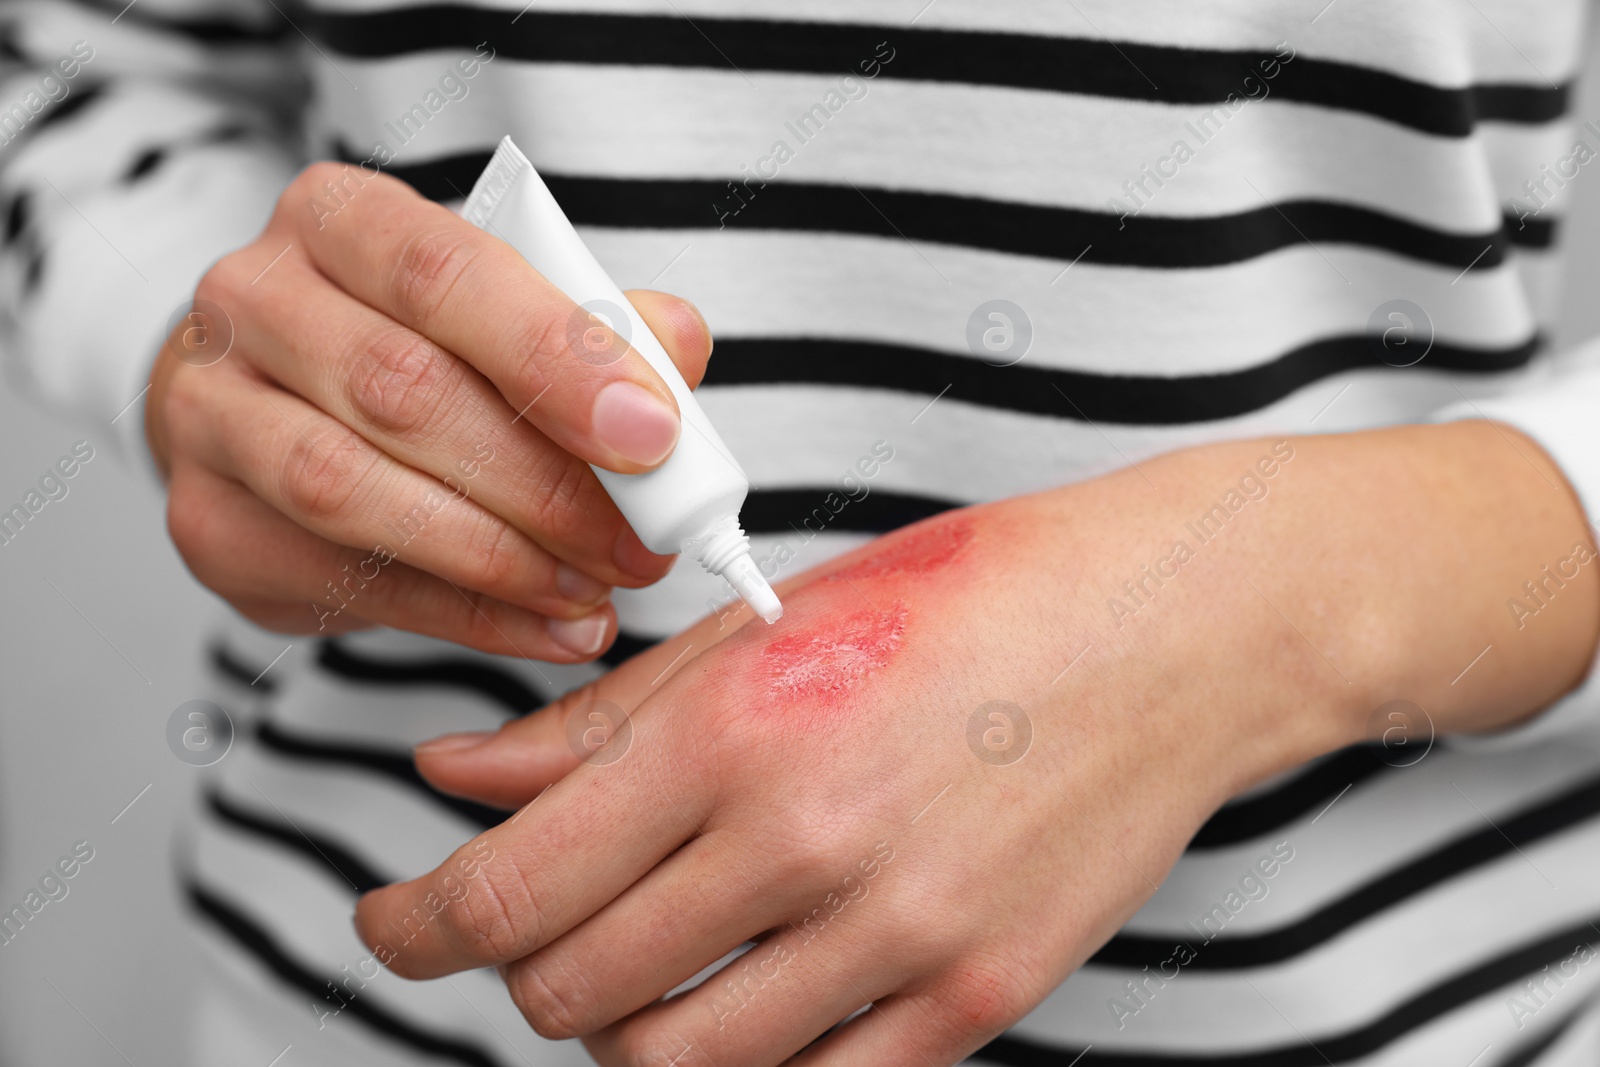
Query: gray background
[91,669]
[81,734]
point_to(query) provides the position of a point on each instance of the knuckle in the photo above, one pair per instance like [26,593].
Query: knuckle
[318,172]
[308,183]
[290,208]
[277,618]
[545,339]
[803,865]
[553,999]
[541,340]
[650,1047]
[195,526]
[500,921]
[225,283]
[493,554]
[813,856]
[188,524]
[901,921]
[472,614]
[810,853]
[561,503]
[982,997]
[429,264]
[401,380]
[315,479]
[184,408]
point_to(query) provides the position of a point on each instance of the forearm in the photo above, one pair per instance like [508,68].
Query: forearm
[1369,567]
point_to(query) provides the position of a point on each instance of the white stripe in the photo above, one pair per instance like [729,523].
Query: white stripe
[1112,320]
[1442,43]
[950,456]
[690,124]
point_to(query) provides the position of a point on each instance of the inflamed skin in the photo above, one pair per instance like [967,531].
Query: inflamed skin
[829,655]
[922,552]
[825,661]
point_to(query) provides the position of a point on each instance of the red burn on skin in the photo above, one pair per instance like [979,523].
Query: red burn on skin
[920,553]
[827,661]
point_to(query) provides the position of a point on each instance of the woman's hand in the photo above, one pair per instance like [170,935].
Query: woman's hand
[399,430]
[971,751]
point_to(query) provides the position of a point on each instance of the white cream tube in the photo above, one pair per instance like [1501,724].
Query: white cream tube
[689,504]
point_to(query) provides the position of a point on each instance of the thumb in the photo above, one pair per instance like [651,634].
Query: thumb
[508,767]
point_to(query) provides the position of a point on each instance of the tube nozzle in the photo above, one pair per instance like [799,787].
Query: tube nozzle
[725,550]
[747,580]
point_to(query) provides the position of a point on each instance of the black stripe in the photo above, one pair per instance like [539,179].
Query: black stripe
[227,663]
[322,851]
[1259,815]
[69,106]
[1149,400]
[1416,876]
[17,214]
[207,31]
[1529,1053]
[1058,233]
[1411,1014]
[443,179]
[1531,232]
[973,222]
[451,177]
[785,511]
[1088,66]
[458,672]
[153,156]
[396,766]
[10,46]
[35,269]
[146,163]
[256,940]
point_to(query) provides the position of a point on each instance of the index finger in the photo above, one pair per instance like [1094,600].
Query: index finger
[510,766]
[560,859]
[563,368]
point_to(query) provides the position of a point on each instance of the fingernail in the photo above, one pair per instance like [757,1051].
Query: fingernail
[582,637]
[630,555]
[635,423]
[455,742]
[577,586]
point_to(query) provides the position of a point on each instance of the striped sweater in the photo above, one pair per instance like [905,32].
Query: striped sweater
[1013,245]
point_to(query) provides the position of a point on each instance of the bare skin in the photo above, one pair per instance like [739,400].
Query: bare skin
[399,378]
[848,826]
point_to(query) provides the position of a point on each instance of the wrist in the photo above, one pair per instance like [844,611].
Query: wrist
[1496,605]
[1183,586]
[1385,567]
[1287,591]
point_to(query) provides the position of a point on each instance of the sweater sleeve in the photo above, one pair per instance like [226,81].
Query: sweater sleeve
[1558,408]
[136,148]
